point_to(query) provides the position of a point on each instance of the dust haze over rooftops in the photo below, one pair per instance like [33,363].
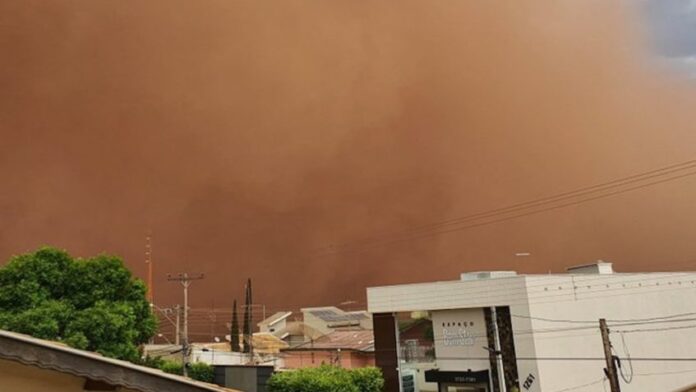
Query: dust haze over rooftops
[248,135]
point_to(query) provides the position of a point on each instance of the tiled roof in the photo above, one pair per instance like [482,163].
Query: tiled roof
[350,339]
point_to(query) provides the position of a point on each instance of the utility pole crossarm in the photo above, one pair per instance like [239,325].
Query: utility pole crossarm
[185,279]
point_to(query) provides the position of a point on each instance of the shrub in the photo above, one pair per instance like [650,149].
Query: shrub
[198,371]
[368,379]
[171,367]
[201,371]
[327,379]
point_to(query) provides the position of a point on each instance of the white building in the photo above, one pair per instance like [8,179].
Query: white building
[275,324]
[549,330]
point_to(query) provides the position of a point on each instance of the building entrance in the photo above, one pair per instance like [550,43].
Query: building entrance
[454,381]
[447,387]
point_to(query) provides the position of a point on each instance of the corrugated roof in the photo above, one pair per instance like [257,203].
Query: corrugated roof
[56,346]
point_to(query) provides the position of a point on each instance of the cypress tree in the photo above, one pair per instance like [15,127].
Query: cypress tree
[246,343]
[234,330]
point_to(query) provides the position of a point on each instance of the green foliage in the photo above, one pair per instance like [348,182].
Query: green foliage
[201,371]
[429,332]
[198,371]
[327,379]
[151,362]
[172,367]
[367,379]
[246,326]
[92,304]
[234,330]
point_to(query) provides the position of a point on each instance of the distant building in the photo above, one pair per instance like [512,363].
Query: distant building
[350,348]
[275,324]
[314,322]
[30,364]
[416,340]
[547,326]
[329,318]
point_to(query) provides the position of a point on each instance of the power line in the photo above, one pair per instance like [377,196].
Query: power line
[657,329]
[346,247]
[582,386]
[608,320]
[544,200]
[569,359]
[627,379]
[665,373]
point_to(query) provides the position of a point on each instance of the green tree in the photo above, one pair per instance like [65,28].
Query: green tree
[234,329]
[367,379]
[198,370]
[93,304]
[246,343]
[327,379]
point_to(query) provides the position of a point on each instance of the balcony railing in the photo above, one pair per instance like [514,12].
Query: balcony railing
[411,353]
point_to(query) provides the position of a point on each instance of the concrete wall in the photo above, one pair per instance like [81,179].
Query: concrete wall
[15,376]
[276,328]
[614,297]
[580,300]
[219,357]
[316,323]
[460,334]
[454,294]
[244,378]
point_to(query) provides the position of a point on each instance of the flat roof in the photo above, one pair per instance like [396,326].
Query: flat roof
[274,318]
[517,289]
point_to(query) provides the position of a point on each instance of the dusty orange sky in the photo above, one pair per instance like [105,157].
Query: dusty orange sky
[249,135]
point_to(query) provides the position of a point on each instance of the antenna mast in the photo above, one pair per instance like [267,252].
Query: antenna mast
[148,261]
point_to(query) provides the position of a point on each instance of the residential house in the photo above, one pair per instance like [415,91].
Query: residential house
[314,322]
[275,324]
[348,348]
[416,340]
[327,319]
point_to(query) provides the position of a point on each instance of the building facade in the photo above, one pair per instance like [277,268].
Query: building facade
[547,328]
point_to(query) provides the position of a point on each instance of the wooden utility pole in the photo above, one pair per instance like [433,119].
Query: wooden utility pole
[610,370]
[177,338]
[185,280]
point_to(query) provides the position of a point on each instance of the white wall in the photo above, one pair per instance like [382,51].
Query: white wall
[219,357]
[460,334]
[446,295]
[276,328]
[577,297]
[614,297]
